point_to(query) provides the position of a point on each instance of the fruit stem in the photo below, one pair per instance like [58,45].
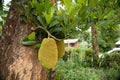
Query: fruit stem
[49,34]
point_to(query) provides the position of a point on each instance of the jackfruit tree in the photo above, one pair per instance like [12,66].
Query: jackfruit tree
[20,29]
[51,22]
[32,37]
[18,62]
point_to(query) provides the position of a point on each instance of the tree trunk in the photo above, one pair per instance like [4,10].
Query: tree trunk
[94,39]
[18,62]
[54,1]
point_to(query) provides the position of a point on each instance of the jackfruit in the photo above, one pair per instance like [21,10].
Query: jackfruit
[48,53]
[61,48]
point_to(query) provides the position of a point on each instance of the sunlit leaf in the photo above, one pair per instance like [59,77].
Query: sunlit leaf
[49,15]
[74,9]
[31,36]
[109,14]
[68,4]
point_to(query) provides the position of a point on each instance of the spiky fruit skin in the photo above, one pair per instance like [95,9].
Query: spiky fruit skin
[48,53]
[61,48]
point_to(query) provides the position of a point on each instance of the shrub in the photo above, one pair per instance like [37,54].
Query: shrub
[111,60]
[70,71]
[84,65]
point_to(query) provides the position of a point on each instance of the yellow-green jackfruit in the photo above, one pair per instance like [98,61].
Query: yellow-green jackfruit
[48,53]
[61,48]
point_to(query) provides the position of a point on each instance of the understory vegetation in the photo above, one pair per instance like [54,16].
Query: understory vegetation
[81,65]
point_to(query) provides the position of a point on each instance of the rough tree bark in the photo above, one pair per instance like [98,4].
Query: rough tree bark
[18,62]
[94,39]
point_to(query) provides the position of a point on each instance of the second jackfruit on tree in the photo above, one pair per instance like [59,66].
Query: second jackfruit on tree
[61,48]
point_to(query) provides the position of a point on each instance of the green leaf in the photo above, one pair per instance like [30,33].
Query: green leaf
[93,3]
[93,15]
[1,24]
[55,29]
[68,4]
[88,25]
[103,23]
[49,15]
[40,8]
[31,36]
[74,23]
[100,13]
[38,46]
[82,11]
[29,42]
[53,23]
[5,12]
[4,15]
[109,14]
[40,19]
[48,18]
[65,18]
[74,9]
[41,34]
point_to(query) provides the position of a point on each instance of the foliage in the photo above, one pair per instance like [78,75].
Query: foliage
[107,40]
[112,60]
[105,15]
[42,14]
[70,71]
[3,14]
[56,23]
[72,18]
[112,74]
[84,67]
[106,61]
[109,26]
